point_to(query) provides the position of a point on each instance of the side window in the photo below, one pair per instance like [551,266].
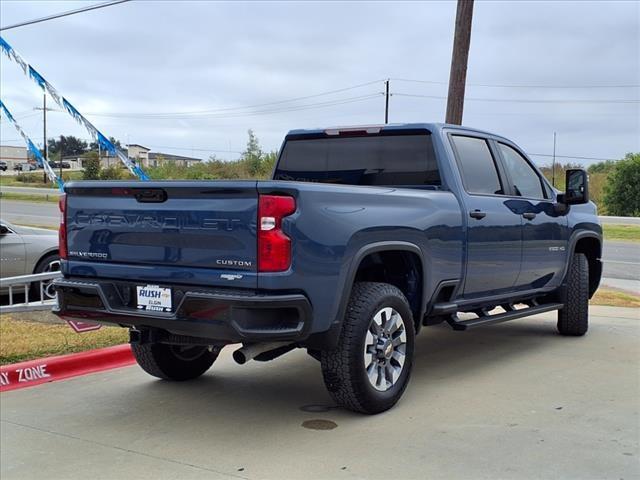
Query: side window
[526,182]
[477,166]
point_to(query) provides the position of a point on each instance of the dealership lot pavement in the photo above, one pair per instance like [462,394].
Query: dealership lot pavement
[510,401]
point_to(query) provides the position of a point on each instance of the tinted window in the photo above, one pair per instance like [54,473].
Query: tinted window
[477,167]
[526,182]
[407,160]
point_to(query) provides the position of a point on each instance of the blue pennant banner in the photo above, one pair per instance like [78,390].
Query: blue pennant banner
[33,149]
[104,142]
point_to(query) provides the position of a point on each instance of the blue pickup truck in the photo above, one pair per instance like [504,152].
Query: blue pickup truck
[363,236]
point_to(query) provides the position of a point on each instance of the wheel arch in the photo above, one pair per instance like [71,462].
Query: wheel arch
[398,263]
[43,256]
[589,244]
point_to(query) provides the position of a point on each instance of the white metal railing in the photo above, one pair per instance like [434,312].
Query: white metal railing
[22,287]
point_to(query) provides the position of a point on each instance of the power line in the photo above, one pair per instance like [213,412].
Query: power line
[497,85]
[514,100]
[231,109]
[292,108]
[214,150]
[573,157]
[63,14]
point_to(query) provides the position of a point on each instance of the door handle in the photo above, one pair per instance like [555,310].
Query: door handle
[529,215]
[477,214]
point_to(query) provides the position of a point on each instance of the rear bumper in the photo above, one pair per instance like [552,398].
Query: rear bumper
[224,315]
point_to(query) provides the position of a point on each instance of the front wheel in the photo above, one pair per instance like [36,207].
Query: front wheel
[49,263]
[370,368]
[173,362]
[573,319]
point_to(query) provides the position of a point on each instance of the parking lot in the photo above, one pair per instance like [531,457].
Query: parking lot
[509,401]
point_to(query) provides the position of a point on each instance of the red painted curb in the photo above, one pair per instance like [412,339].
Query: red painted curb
[43,370]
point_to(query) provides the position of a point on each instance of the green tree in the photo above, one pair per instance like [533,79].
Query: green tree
[67,145]
[91,166]
[602,167]
[253,154]
[560,170]
[622,194]
[94,145]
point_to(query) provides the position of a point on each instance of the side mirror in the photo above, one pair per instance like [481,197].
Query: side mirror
[3,230]
[577,187]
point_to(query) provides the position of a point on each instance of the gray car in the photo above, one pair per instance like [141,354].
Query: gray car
[25,250]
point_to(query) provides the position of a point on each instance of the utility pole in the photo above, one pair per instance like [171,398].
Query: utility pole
[61,153]
[553,163]
[458,74]
[45,148]
[386,102]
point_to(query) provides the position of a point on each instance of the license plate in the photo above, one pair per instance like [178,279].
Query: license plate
[155,298]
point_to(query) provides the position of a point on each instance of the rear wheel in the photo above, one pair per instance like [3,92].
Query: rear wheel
[573,319]
[173,362]
[369,369]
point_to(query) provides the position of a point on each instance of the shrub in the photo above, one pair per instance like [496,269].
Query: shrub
[111,173]
[91,166]
[621,194]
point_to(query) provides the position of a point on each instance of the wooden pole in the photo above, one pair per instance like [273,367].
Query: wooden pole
[45,148]
[553,164]
[386,102]
[458,75]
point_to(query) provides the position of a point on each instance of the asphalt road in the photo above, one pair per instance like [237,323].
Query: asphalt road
[30,190]
[30,213]
[49,214]
[510,401]
[622,259]
[621,220]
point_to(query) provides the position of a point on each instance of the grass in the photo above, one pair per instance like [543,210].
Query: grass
[10,181]
[24,340]
[35,179]
[629,233]
[615,298]
[26,197]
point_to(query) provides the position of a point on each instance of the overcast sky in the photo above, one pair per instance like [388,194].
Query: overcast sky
[125,64]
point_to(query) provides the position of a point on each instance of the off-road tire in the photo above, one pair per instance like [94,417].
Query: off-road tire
[573,319]
[164,361]
[343,368]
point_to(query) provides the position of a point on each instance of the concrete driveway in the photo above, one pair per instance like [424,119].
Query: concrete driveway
[510,401]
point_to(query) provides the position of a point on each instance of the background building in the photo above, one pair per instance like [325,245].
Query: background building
[156,159]
[141,155]
[13,155]
[144,157]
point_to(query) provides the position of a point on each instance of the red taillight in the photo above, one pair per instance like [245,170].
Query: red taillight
[62,232]
[274,247]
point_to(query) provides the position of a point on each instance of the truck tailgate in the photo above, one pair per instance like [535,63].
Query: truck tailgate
[188,227]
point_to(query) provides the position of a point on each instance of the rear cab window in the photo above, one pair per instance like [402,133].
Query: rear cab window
[385,159]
